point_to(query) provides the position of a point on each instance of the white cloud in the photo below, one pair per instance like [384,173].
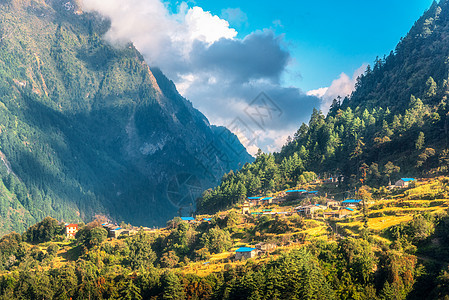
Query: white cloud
[342,86]
[318,92]
[218,72]
[162,37]
[203,26]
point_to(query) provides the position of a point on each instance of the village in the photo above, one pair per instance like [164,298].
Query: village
[281,205]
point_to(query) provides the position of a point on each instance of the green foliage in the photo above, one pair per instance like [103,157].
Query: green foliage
[216,240]
[91,236]
[263,176]
[44,231]
[141,254]
[83,123]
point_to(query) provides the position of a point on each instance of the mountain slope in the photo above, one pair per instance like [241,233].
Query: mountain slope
[87,128]
[398,112]
[396,123]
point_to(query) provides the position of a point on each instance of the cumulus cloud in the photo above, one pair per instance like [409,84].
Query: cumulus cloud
[219,73]
[342,86]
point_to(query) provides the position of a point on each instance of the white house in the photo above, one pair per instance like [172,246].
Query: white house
[404,182]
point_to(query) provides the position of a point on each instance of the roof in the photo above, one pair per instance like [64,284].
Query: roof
[296,191]
[207,219]
[245,249]
[266,198]
[352,201]
[350,209]
[117,229]
[72,225]
[313,192]
[254,198]
[407,179]
[187,218]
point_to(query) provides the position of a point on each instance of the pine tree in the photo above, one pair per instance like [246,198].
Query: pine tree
[420,141]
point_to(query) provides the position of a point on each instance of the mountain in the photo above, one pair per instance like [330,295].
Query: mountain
[87,128]
[398,112]
[421,54]
[395,123]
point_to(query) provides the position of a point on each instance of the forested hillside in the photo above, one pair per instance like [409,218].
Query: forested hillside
[395,123]
[86,128]
[394,247]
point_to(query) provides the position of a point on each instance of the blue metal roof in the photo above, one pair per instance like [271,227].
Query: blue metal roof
[352,201]
[188,219]
[296,191]
[245,249]
[350,209]
[313,192]
[266,198]
[407,179]
[116,229]
[207,219]
[254,198]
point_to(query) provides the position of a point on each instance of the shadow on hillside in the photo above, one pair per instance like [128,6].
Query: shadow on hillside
[73,254]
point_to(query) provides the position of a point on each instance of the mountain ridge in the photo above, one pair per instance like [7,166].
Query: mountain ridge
[89,128]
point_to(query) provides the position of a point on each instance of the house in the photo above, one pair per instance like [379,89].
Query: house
[294,194]
[245,253]
[71,230]
[333,204]
[246,208]
[309,211]
[404,182]
[266,247]
[341,213]
[188,219]
[116,232]
[266,200]
[351,203]
[254,200]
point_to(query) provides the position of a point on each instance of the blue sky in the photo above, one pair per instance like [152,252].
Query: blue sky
[326,37]
[223,54]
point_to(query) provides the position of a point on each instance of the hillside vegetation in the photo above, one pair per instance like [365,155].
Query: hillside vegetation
[394,248]
[86,128]
[395,124]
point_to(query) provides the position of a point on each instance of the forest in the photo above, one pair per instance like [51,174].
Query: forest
[395,124]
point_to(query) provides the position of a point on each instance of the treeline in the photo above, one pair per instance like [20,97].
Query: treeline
[149,266]
[348,269]
[263,176]
[373,144]
[394,124]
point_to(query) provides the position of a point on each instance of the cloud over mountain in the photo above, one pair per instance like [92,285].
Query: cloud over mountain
[219,73]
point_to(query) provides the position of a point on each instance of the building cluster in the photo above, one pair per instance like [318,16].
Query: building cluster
[114,231]
[192,220]
[332,209]
[249,252]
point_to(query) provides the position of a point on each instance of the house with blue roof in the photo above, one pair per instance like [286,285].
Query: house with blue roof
[188,219]
[245,253]
[351,202]
[404,182]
